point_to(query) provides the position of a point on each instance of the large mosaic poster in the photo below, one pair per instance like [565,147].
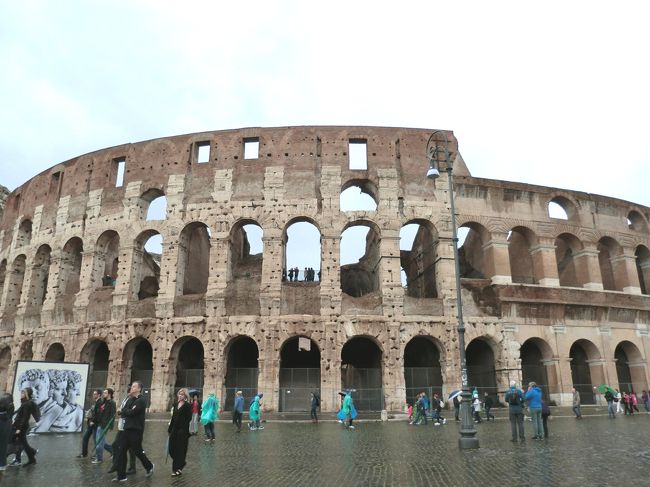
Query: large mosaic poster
[59,389]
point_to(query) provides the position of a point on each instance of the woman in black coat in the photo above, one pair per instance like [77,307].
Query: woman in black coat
[179,432]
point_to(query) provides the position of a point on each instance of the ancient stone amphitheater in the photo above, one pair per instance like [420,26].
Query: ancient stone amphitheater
[560,300]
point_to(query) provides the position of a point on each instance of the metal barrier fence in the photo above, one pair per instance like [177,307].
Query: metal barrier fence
[296,384]
[296,399]
[240,379]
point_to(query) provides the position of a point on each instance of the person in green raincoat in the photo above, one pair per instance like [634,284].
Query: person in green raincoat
[348,411]
[209,414]
[254,413]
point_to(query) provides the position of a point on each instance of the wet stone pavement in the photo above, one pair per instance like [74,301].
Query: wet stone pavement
[595,451]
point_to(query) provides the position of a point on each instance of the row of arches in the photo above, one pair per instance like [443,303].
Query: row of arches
[361,367]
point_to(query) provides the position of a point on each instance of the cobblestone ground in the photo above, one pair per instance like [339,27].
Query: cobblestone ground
[595,451]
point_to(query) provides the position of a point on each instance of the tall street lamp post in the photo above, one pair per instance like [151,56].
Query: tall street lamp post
[438,146]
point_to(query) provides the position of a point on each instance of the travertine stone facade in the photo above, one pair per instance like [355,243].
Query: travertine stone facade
[563,301]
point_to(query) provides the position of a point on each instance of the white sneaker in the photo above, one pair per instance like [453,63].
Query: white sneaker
[149,472]
[351,427]
[261,428]
[444,421]
[436,424]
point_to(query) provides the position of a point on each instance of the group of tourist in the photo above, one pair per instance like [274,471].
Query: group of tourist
[626,402]
[309,274]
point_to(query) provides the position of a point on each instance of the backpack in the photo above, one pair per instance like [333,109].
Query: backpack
[515,398]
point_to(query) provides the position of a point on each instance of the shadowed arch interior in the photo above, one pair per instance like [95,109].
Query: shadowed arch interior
[241,369]
[480,366]
[422,371]
[189,364]
[299,373]
[55,353]
[361,362]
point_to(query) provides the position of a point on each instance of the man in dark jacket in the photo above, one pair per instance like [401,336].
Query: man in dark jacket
[133,414]
[104,423]
[21,425]
[238,410]
[6,412]
[515,400]
[114,449]
[91,423]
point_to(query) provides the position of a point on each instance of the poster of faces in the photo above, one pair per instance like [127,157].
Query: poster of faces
[59,389]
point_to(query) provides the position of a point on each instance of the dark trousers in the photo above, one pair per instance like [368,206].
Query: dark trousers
[131,439]
[545,425]
[456,412]
[178,450]
[236,419]
[90,432]
[517,422]
[209,430]
[114,450]
[576,411]
[313,414]
[22,444]
[5,433]
[488,415]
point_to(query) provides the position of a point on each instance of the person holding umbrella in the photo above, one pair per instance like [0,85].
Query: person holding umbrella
[179,432]
[455,397]
[209,415]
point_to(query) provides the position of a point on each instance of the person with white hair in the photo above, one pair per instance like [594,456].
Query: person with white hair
[515,399]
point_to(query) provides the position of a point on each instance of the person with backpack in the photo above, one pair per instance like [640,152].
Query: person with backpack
[488,403]
[515,400]
[609,397]
[437,404]
[315,402]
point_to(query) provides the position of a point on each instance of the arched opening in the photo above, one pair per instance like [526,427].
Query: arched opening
[55,353]
[15,285]
[636,222]
[642,255]
[106,262]
[418,243]
[153,204]
[561,208]
[302,251]
[70,267]
[481,371]
[361,363]
[608,253]
[630,367]
[358,195]
[470,253]
[97,354]
[24,235]
[360,259]
[3,276]
[147,260]
[581,352]
[193,266]
[189,364]
[241,369]
[138,359]
[299,373]
[245,259]
[533,369]
[40,275]
[520,241]
[5,360]
[566,247]
[422,371]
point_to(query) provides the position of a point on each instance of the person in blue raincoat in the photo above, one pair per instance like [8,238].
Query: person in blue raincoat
[209,414]
[254,413]
[348,411]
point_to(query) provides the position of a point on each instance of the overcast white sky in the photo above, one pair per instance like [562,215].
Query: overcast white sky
[551,93]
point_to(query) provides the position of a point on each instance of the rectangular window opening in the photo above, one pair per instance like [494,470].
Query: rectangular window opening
[55,183]
[202,152]
[120,164]
[17,201]
[358,153]
[251,148]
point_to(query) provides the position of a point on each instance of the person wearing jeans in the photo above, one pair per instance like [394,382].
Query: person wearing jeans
[105,419]
[609,397]
[534,399]
[576,403]
[515,400]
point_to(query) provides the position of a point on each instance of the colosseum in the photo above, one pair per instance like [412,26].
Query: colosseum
[223,301]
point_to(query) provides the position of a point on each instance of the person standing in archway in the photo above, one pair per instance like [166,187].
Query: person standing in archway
[179,432]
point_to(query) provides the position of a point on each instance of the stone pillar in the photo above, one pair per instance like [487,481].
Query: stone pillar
[639,375]
[545,263]
[162,381]
[389,274]
[268,382]
[588,268]
[626,277]
[128,279]
[645,274]
[167,282]
[597,370]
[330,284]
[497,260]
[219,270]
[86,283]
[552,367]
[271,284]
[393,372]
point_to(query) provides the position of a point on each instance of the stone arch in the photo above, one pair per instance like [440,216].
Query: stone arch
[70,268]
[534,354]
[153,205]
[612,268]
[567,246]
[637,222]
[422,367]
[586,368]
[147,264]
[301,239]
[40,275]
[186,362]
[24,234]
[5,361]
[642,255]
[360,262]
[358,195]
[418,258]
[481,369]
[193,266]
[567,206]
[521,241]
[630,367]
[471,255]
[106,261]
[97,354]
[138,363]
[242,355]
[55,353]
[299,372]
[361,370]
[244,268]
